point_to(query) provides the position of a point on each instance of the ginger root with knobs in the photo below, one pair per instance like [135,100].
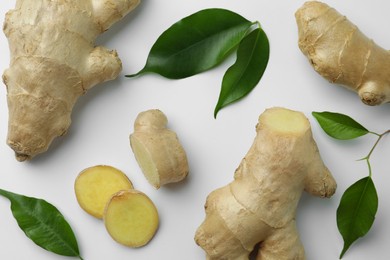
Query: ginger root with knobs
[342,54]
[53,62]
[259,206]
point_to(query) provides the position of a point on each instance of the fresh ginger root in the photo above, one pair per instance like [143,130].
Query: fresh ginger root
[53,62]
[342,54]
[95,185]
[131,218]
[157,149]
[259,206]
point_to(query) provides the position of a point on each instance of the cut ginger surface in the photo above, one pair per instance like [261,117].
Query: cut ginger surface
[285,121]
[131,218]
[95,185]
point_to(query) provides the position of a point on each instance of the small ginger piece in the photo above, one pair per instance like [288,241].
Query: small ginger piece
[95,185]
[342,54]
[157,149]
[54,60]
[259,206]
[131,218]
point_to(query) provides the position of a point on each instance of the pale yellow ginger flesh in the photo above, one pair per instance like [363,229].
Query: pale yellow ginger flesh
[95,185]
[342,54]
[259,206]
[53,62]
[157,149]
[131,218]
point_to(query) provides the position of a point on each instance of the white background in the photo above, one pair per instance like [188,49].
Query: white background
[103,120]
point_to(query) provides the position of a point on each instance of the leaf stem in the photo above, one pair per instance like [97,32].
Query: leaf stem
[367,158]
[256,24]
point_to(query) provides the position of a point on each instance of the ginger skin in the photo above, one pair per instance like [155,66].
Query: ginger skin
[53,62]
[342,54]
[157,149]
[259,206]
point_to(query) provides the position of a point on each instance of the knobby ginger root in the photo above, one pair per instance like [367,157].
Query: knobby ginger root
[342,54]
[53,62]
[131,218]
[259,206]
[95,185]
[157,149]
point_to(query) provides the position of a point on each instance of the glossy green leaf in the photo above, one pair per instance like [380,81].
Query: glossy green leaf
[340,126]
[243,76]
[43,224]
[196,43]
[356,212]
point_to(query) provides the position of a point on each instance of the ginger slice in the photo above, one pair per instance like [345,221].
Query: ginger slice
[94,187]
[131,218]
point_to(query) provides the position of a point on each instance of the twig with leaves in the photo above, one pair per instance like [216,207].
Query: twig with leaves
[203,40]
[359,203]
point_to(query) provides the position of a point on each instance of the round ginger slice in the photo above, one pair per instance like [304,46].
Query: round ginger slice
[94,187]
[131,218]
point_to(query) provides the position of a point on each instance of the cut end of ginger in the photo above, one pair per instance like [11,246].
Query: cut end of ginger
[157,149]
[131,218]
[94,187]
[145,161]
[283,120]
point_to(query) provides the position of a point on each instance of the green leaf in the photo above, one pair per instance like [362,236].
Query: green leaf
[356,212]
[43,224]
[242,77]
[339,126]
[196,43]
